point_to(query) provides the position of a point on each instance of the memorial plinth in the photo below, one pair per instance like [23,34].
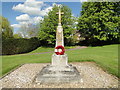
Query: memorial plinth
[59,60]
[59,71]
[58,74]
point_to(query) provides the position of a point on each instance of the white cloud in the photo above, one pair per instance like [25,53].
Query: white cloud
[33,12]
[23,23]
[23,17]
[32,7]
[33,20]
[27,9]
[26,22]
[45,12]
[37,19]
[34,3]
[15,25]
[83,0]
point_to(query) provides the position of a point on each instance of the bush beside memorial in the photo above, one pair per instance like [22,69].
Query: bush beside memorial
[12,46]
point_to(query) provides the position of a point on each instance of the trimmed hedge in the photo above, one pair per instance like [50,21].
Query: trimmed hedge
[17,46]
[97,42]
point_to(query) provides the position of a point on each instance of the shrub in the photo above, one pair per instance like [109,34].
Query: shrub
[16,46]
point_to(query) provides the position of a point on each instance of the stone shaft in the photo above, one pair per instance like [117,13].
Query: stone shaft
[59,36]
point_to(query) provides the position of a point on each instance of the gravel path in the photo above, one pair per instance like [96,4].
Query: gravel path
[92,76]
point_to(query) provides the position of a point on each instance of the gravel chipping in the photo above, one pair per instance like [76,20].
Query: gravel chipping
[92,76]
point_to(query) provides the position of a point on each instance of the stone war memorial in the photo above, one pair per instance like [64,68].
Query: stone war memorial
[59,71]
[47,68]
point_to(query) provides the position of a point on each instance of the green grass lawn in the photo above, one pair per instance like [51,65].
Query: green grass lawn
[105,56]
[47,49]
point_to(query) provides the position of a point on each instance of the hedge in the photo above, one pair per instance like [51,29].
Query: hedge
[12,46]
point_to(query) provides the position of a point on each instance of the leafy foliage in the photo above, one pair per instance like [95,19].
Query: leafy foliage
[15,46]
[28,30]
[17,36]
[5,29]
[48,26]
[100,20]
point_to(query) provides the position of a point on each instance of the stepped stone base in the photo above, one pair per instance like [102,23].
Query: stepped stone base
[54,74]
[58,72]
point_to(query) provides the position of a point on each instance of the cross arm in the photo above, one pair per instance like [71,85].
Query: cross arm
[61,13]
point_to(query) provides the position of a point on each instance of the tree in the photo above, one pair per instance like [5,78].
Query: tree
[23,31]
[28,30]
[17,36]
[48,26]
[100,20]
[33,30]
[6,29]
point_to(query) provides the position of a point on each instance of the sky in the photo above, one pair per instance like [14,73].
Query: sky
[32,11]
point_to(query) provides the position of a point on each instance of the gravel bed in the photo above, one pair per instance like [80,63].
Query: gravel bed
[92,76]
